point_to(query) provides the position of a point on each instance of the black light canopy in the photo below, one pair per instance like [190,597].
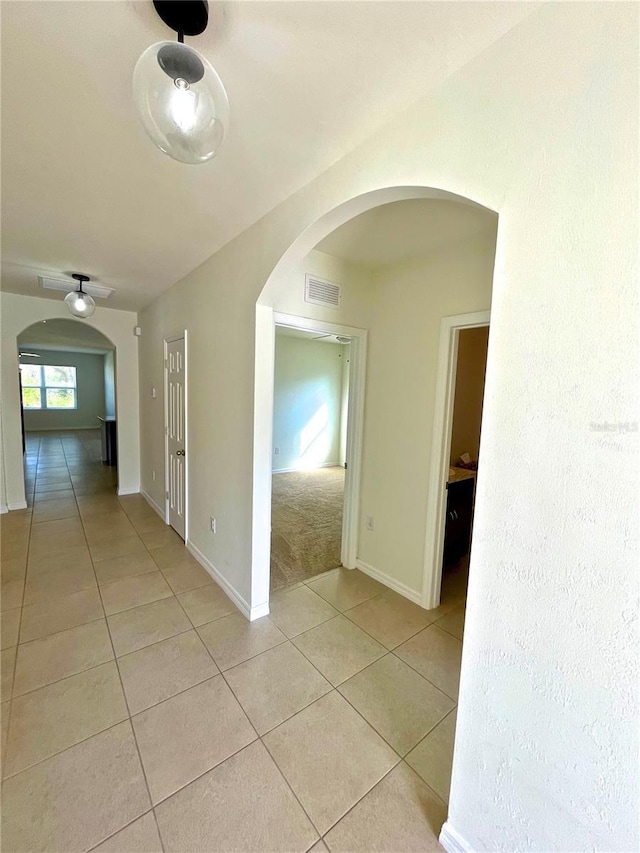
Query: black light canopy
[186,17]
[180,99]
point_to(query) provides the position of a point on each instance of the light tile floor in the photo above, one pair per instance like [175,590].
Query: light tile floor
[141,712]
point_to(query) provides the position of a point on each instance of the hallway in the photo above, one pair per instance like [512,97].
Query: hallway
[142,712]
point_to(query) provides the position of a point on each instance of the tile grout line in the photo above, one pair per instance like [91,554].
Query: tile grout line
[131,726]
[126,826]
[24,589]
[62,751]
[290,787]
[453,698]
[9,776]
[260,738]
[192,628]
[334,689]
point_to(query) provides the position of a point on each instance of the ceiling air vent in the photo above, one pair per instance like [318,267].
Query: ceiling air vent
[320,292]
[98,291]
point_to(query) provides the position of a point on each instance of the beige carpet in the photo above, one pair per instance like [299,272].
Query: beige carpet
[306,524]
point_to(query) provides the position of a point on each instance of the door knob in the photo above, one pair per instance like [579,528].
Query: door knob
[179,452]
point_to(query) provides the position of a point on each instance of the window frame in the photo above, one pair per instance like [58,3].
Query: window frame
[43,388]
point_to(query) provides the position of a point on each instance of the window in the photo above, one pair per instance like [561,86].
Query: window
[48,386]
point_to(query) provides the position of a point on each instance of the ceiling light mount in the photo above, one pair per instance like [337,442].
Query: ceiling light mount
[185,17]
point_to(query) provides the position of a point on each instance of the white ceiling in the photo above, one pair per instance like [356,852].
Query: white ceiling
[403,230]
[65,335]
[84,189]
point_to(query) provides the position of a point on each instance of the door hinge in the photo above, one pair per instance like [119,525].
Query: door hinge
[166,494]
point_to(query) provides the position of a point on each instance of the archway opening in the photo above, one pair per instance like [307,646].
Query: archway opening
[407,271]
[403,258]
[68,405]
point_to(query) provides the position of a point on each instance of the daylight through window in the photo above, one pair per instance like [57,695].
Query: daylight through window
[48,386]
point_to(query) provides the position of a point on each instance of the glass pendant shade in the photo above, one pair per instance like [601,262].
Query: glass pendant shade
[80,304]
[181,101]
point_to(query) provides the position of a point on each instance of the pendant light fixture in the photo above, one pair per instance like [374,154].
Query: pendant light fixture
[80,304]
[178,95]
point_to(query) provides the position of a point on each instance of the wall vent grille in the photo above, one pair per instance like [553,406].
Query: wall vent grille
[99,291]
[320,292]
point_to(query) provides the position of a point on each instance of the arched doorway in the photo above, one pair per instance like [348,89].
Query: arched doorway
[276,297]
[21,313]
[68,390]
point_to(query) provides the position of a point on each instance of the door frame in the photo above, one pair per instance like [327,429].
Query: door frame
[166,341]
[450,328]
[267,320]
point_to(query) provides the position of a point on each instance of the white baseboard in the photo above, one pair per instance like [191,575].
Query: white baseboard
[392,583]
[132,491]
[231,591]
[452,841]
[315,467]
[154,506]
[17,505]
[3,508]
[259,611]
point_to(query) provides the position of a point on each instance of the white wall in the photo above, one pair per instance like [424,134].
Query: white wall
[285,292]
[406,305]
[19,312]
[220,415]
[401,305]
[110,385]
[542,127]
[90,396]
[307,404]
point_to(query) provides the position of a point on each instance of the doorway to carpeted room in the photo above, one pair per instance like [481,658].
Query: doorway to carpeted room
[306,524]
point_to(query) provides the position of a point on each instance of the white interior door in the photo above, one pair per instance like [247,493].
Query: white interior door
[176,379]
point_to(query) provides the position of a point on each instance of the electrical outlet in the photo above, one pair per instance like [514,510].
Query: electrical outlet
[370,524]
[276,450]
[213,524]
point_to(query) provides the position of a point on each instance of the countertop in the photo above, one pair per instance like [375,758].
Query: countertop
[457,474]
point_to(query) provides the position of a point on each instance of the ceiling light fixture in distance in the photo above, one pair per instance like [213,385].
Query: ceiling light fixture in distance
[80,304]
